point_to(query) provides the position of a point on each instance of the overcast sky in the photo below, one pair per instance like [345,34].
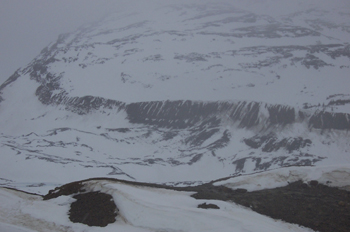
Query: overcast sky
[27,26]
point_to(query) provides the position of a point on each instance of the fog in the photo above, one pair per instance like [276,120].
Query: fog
[27,26]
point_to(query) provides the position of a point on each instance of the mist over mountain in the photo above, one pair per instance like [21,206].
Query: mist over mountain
[181,94]
[220,98]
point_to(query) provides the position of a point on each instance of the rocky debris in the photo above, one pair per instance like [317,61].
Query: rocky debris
[93,209]
[312,205]
[208,206]
[241,190]
[270,142]
[316,206]
[313,183]
[65,190]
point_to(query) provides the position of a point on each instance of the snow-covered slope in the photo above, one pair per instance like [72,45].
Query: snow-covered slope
[140,209]
[181,94]
[144,208]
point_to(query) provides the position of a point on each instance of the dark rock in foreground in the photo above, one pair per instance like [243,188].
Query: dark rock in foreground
[314,205]
[93,209]
[208,206]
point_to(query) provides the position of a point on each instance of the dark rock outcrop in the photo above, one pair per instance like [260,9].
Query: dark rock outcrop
[93,209]
[208,206]
[328,120]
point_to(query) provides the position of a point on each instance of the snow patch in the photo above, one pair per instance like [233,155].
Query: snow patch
[335,176]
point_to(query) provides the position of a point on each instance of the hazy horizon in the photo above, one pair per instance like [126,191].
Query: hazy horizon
[27,26]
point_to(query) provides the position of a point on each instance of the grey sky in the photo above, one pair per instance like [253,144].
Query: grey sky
[27,26]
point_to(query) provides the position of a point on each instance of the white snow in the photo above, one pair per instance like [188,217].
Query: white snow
[335,176]
[140,209]
[143,35]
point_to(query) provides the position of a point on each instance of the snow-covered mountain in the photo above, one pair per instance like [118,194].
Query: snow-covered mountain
[181,94]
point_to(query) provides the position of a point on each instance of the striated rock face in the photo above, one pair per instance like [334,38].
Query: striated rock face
[271,143]
[182,114]
[184,93]
[328,120]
